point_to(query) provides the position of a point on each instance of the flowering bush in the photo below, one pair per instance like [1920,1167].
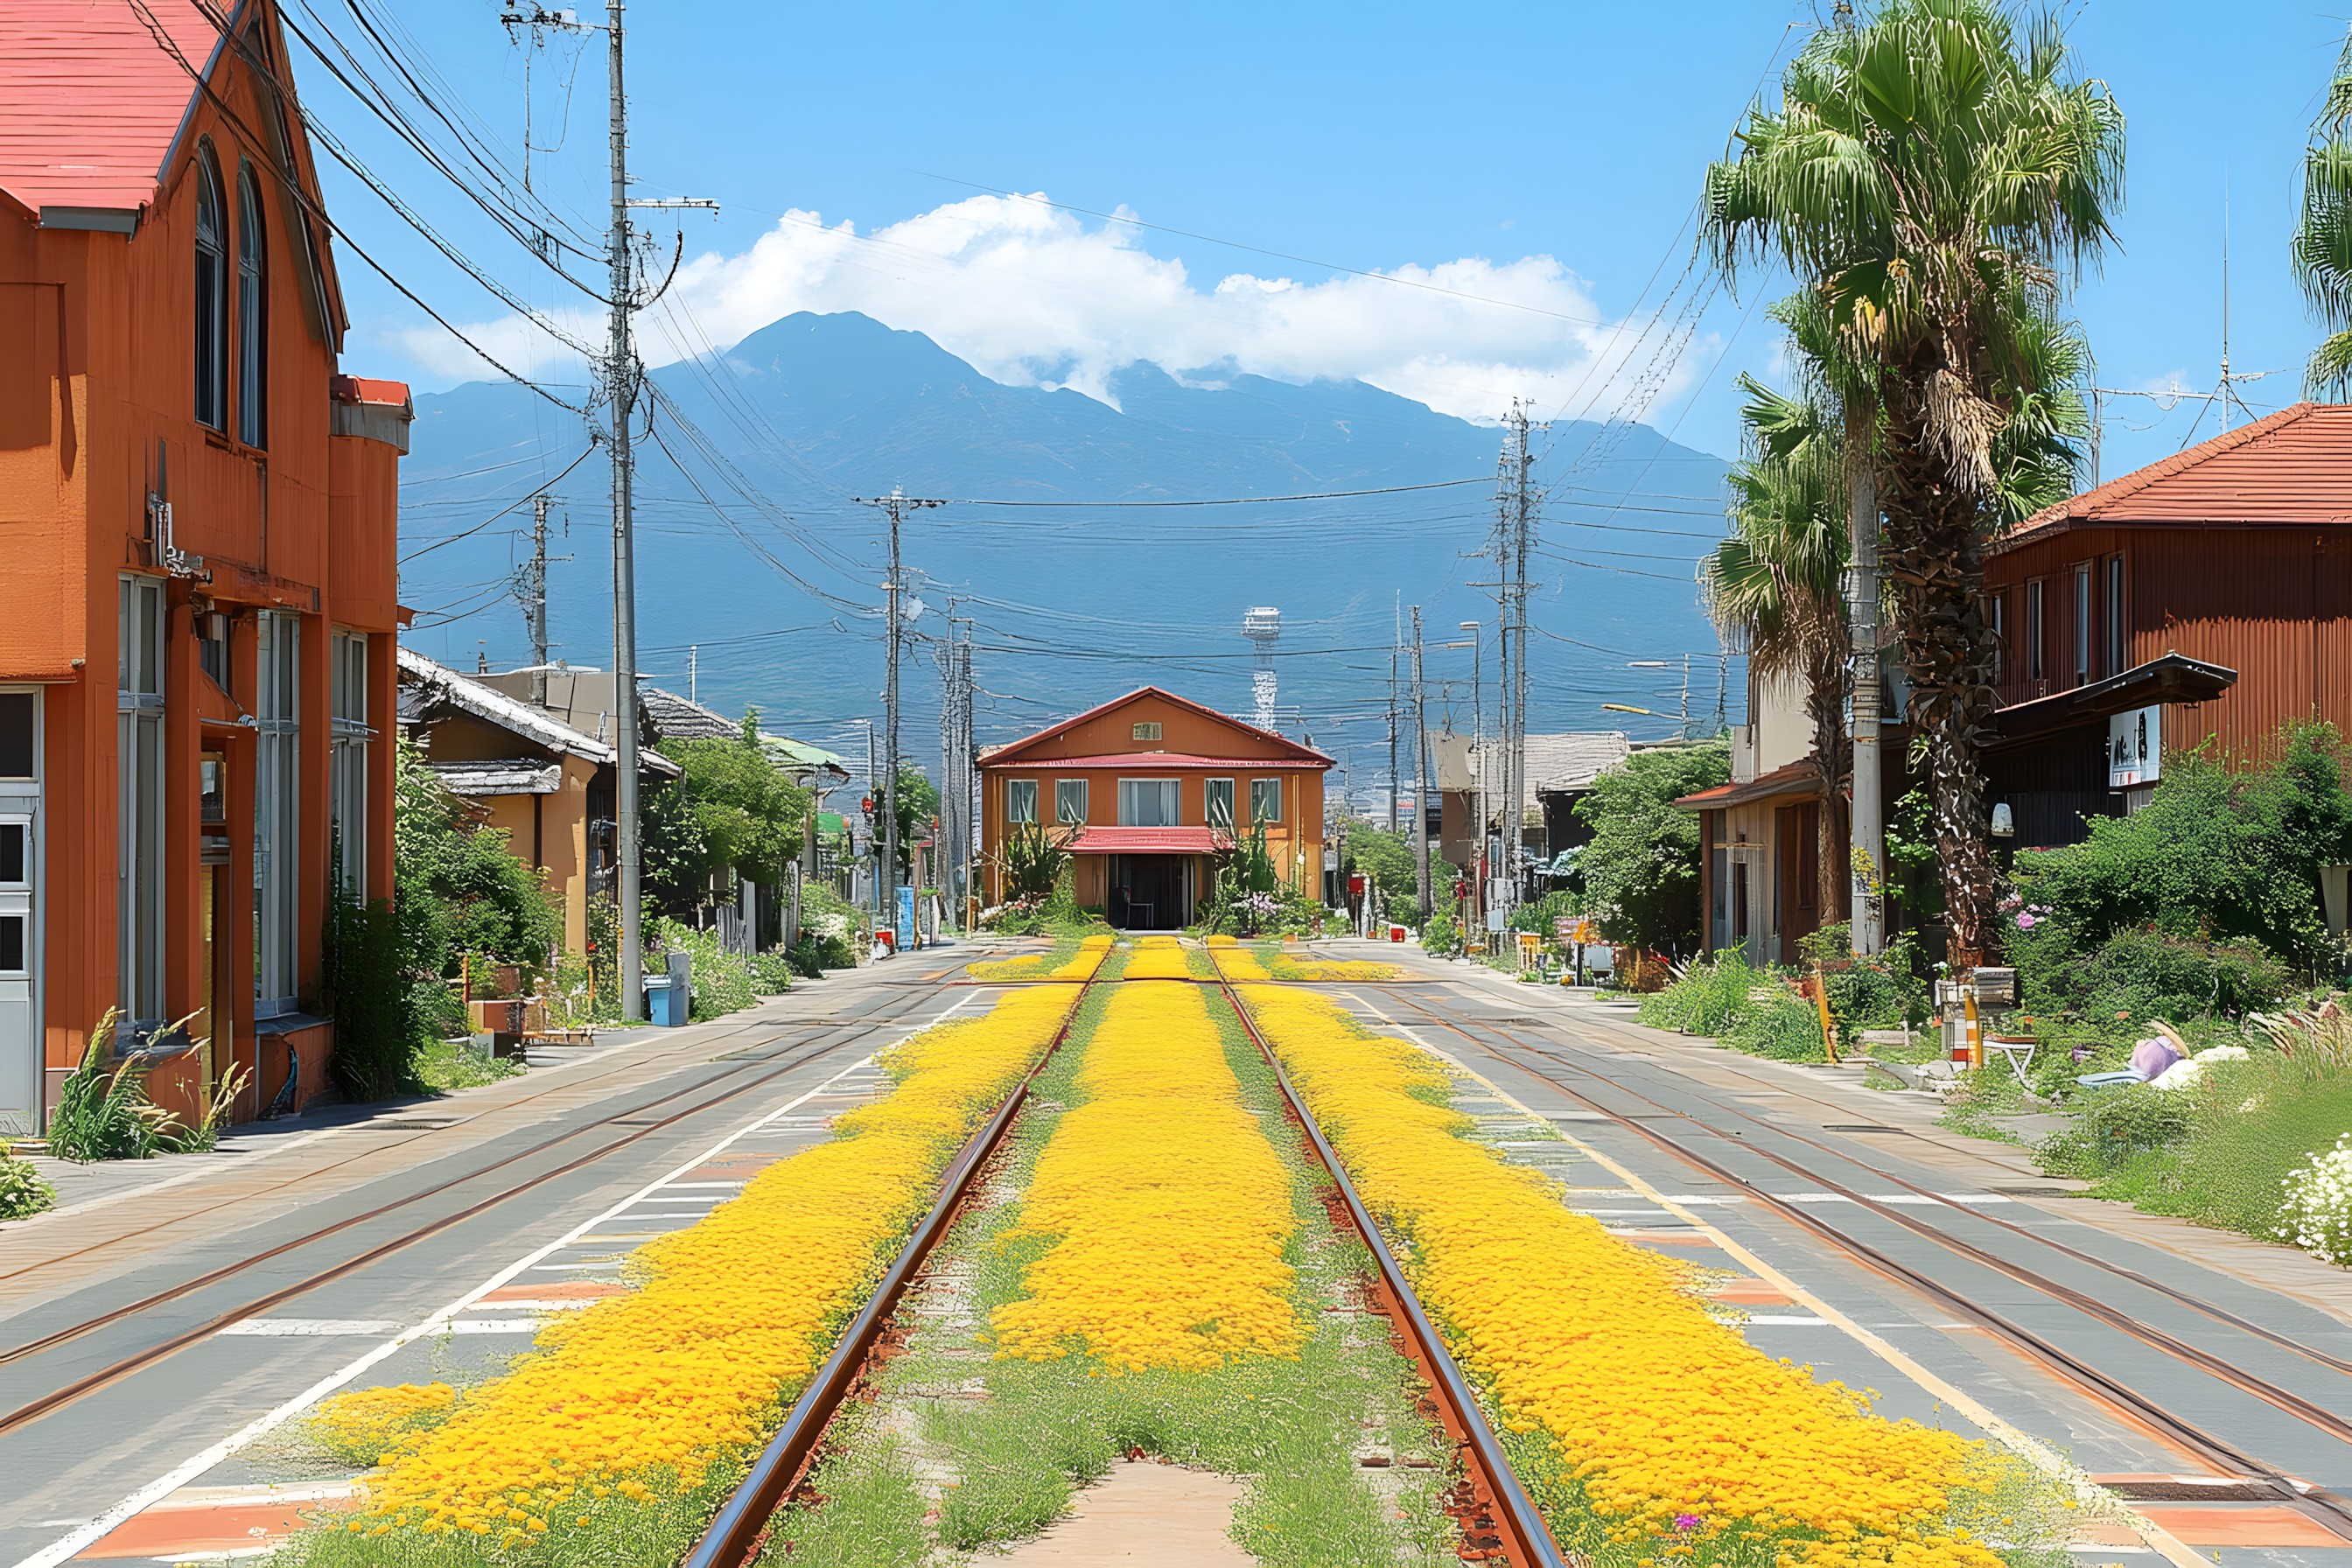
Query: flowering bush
[1663,1423]
[638,1401]
[1168,1209]
[2315,1213]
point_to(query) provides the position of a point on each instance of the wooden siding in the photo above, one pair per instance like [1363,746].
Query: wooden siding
[2272,603]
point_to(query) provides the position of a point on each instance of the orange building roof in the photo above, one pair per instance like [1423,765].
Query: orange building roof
[2292,468]
[95,100]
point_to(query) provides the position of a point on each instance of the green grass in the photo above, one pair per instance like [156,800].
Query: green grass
[444,1066]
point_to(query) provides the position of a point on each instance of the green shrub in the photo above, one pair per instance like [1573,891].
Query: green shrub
[23,1193]
[102,1110]
[772,974]
[817,951]
[444,1066]
[1441,933]
[369,992]
[720,981]
[2115,1127]
[1783,1027]
[1642,869]
[2149,973]
[1708,999]
[2225,862]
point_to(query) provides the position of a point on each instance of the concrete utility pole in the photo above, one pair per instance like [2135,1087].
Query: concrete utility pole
[1479,868]
[1420,776]
[1868,850]
[955,765]
[535,599]
[1514,527]
[1397,638]
[620,371]
[895,505]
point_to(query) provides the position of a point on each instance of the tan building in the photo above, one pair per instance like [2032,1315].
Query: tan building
[546,785]
[1147,789]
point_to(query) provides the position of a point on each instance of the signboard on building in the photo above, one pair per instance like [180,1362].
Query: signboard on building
[2134,747]
[906,921]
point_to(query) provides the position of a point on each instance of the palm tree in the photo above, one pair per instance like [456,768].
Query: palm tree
[2321,250]
[1776,585]
[1933,176]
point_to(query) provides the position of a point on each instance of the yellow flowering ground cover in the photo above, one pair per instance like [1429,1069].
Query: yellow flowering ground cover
[643,1397]
[1239,965]
[1672,1436]
[1168,1209]
[1077,963]
[1157,958]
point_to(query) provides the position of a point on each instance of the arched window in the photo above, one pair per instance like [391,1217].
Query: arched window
[252,317]
[212,294]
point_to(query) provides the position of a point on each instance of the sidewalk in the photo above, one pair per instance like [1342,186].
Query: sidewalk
[114,1216]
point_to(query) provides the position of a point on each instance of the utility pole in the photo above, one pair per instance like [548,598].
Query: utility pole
[1514,525]
[1419,776]
[1686,707]
[1480,870]
[535,599]
[1868,848]
[1395,639]
[955,761]
[694,672]
[620,372]
[895,505]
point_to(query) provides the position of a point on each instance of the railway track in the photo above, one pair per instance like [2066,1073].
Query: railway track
[750,1079]
[2257,1478]
[1499,1522]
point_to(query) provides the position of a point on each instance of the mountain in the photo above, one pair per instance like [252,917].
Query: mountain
[756,458]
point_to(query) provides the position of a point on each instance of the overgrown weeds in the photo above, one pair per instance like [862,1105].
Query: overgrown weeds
[23,1192]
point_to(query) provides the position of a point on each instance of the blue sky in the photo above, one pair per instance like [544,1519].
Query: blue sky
[1546,156]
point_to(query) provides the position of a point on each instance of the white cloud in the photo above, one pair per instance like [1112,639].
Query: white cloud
[1031,295]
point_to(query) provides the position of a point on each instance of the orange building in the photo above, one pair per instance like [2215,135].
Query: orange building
[193,501]
[1145,789]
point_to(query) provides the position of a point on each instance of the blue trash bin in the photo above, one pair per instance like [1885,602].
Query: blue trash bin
[662,1001]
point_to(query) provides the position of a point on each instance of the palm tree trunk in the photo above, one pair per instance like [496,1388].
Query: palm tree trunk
[1935,560]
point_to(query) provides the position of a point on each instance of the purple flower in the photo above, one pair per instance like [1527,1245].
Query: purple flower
[2026,922]
[1687,1521]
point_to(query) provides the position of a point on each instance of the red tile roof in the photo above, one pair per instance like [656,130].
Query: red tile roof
[995,756]
[94,103]
[2293,467]
[1800,780]
[1142,763]
[1143,841]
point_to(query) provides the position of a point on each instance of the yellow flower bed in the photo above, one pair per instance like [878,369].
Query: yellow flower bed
[1080,964]
[1169,1208]
[643,1392]
[1670,1421]
[361,1427]
[1239,965]
[1157,958]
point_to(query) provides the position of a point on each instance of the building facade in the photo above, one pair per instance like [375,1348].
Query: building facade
[1146,790]
[197,560]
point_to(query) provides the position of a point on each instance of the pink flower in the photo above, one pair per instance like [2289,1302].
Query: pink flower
[2026,922]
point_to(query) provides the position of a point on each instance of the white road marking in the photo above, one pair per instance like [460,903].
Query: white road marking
[495,1325]
[68,1546]
[544,1304]
[314,1328]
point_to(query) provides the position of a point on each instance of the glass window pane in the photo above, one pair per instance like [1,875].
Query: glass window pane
[1020,800]
[12,944]
[1070,802]
[15,734]
[12,854]
[1265,800]
[1219,799]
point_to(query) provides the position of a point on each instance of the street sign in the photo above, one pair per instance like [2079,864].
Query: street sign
[2134,747]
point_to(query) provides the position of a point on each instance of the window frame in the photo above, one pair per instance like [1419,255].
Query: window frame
[1145,730]
[252,313]
[1209,792]
[2036,659]
[210,338]
[1063,789]
[2119,637]
[1257,785]
[1016,790]
[348,737]
[143,615]
[277,814]
[1999,601]
[2081,611]
[1163,789]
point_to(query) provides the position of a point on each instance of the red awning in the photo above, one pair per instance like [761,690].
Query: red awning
[1143,841]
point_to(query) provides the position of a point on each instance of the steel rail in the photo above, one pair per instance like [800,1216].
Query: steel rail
[741,1526]
[82,1387]
[2108,1266]
[2324,1507]
[1519,1531]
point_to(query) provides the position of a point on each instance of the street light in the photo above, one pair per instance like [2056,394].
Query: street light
[1622,708]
